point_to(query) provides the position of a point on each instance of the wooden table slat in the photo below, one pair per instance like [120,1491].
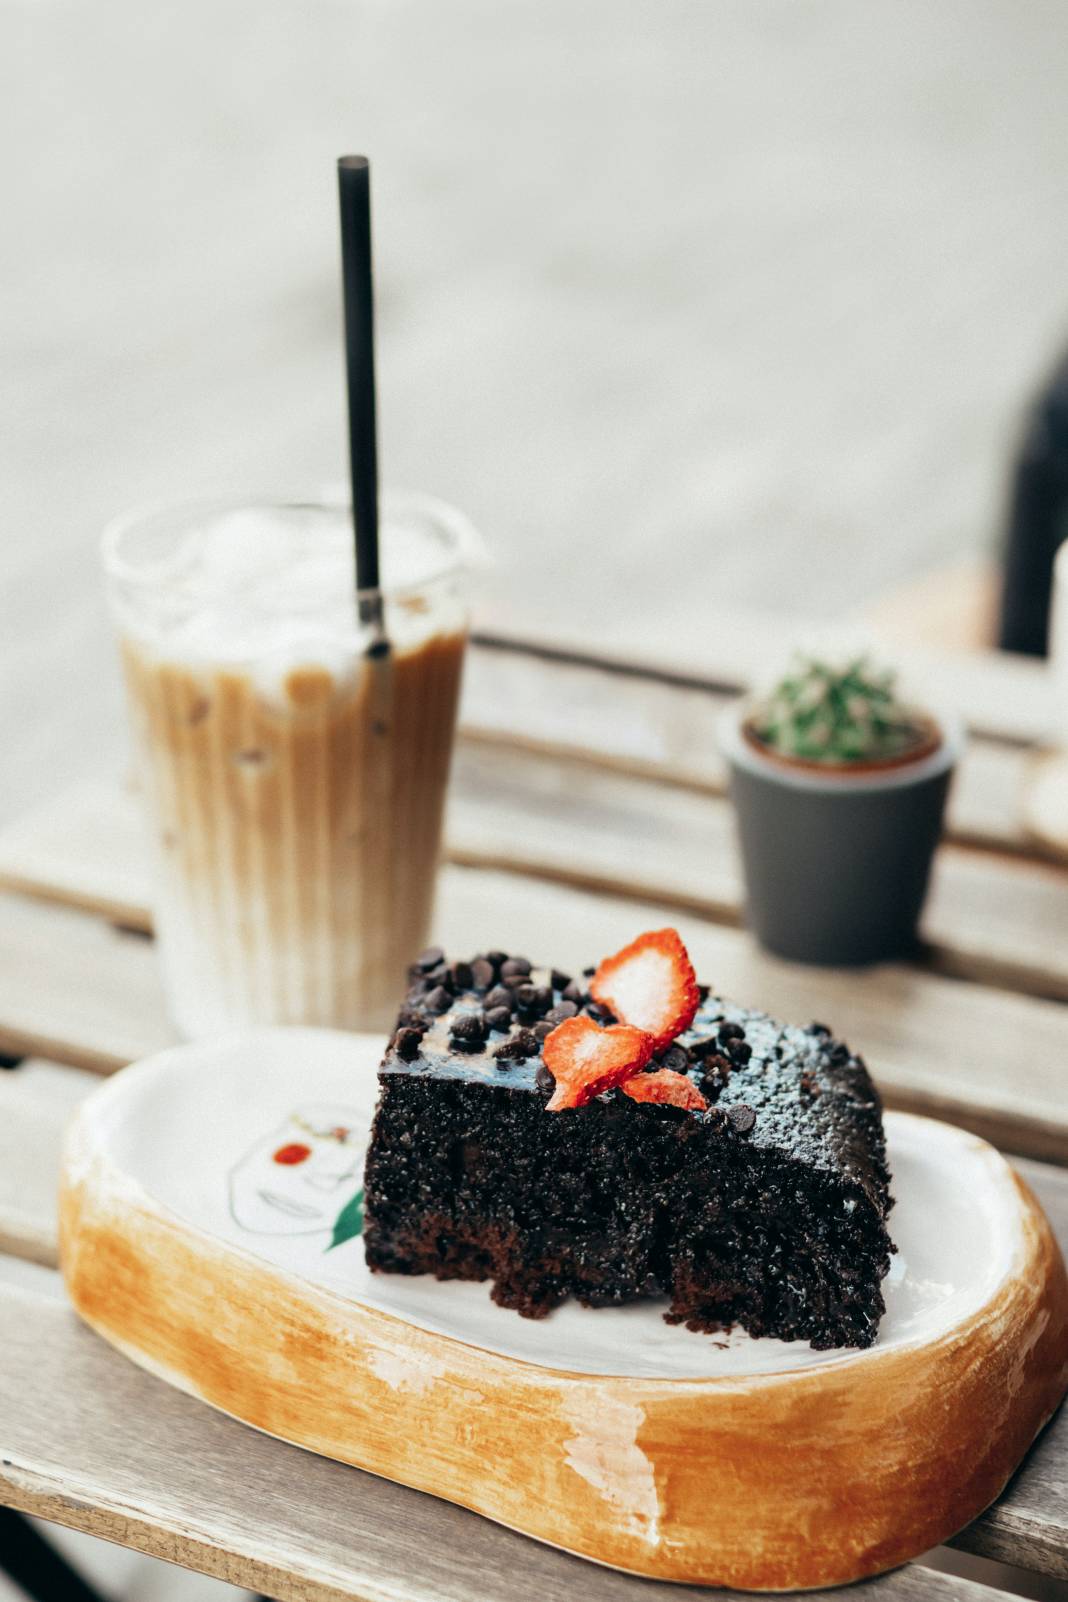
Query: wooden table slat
[998,694]
[76,990]
[644,727]
[991,918]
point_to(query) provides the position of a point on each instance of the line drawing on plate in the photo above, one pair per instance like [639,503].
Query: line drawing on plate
[304,1177]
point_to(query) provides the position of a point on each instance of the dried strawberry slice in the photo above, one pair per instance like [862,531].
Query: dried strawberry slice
[585,1059]
[651,985]
[666,1087]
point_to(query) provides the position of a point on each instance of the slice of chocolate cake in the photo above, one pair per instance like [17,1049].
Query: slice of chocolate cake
[755,1194]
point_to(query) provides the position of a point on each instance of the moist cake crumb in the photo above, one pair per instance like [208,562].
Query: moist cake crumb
[766,1210]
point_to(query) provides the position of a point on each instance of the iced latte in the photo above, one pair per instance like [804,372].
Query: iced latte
[294,772]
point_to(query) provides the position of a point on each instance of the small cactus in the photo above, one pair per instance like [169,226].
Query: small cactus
[842,712]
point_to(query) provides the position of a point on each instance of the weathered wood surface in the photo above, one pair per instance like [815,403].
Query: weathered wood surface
[77,990]
[90,1441]
[636,722]
[36,1099]
[993,918]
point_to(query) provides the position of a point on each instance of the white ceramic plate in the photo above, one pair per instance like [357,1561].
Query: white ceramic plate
[200,1129]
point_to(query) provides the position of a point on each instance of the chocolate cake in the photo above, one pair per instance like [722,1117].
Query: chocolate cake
[759,1199]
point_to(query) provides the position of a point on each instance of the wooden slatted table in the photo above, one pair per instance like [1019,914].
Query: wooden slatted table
[587,803]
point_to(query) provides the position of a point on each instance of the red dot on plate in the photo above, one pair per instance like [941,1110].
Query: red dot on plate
[292,1154]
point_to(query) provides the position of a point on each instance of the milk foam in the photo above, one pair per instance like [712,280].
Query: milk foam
[273,589]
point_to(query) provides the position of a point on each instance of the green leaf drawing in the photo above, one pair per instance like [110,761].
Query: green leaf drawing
[349,1221]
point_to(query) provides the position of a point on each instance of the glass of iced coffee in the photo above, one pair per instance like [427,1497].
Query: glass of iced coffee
[293,764]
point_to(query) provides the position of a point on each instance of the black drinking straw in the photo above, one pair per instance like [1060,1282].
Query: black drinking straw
[354,193]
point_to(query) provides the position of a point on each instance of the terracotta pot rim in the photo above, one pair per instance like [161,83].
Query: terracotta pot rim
[745,750]
[929,739]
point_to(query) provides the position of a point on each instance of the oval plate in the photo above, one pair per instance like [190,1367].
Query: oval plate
[210,1227]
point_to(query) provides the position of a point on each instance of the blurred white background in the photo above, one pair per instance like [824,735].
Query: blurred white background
[692,304]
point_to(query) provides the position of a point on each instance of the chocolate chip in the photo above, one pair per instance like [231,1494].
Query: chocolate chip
[429,959]
[496,958]
[406,1043]
[544,1079]
[818,1029]
[468,1028]
[840,1056]
[520,1046]
[588,973]
[499,996]
[544,1029]
[499,1018]
[573,992]
[515,968]
[560,979]
[739,1051]
[730,1031]
[543,998]
[524,997]
[557,1014]
[706,1046]
[703,993]
[482,974]
[677,1058]
[742,1118]
[441,975]
[438,1000]
[598,1013]
[463,975]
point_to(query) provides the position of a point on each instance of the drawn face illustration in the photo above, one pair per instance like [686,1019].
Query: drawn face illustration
[296,1180]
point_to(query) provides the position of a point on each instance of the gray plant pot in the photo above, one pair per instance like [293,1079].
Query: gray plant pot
[836,864]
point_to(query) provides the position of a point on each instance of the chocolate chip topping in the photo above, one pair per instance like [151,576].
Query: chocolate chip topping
[499,1018]
[438,1000]
[598,1013]
[496,957]
[704,1046]
[482,973]
[468,1031]
[429,959]
[524,997]
[515,967]
[557,1014]
[572,992]
[463,975]
[560,980]
[730,1031]
[739,1051]
[543,1030]
[544,1079]
[406,1043]
[742,1118]
[499,996]
[677,1058]
[523,1044]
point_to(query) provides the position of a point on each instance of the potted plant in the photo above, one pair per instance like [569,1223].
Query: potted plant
[839,788]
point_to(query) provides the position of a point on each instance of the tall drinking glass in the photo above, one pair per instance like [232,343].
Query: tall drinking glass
[294,775]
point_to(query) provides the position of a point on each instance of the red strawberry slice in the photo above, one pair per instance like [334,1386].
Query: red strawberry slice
[651,985]
[585,1059]
[665,1086]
